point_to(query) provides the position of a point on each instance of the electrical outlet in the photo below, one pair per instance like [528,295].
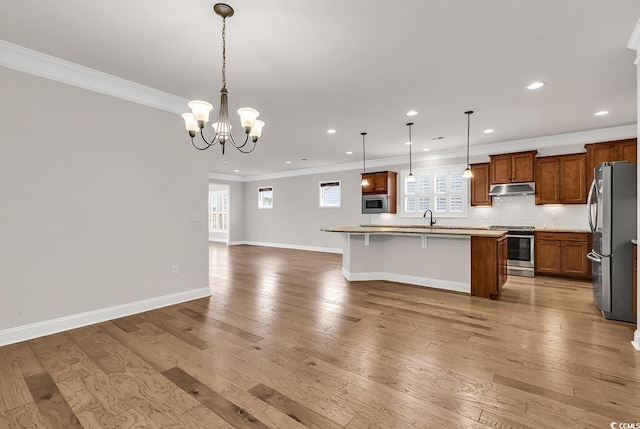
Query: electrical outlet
[175,270]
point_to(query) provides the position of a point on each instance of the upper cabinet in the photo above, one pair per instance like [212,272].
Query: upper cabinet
[381,182]
[561,179]
[512,167]
[618,150]
[480,185]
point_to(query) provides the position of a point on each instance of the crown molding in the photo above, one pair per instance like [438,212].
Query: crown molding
[559,140]
[36,63]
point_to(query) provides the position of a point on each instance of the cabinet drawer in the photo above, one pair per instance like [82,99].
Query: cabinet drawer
[563,236]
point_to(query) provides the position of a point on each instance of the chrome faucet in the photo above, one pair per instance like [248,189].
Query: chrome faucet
[431,220]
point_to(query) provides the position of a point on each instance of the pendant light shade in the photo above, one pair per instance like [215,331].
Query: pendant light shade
[364,182]
[467,172]
[410,178]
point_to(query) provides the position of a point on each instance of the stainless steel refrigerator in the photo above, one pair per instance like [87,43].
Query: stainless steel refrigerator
[612,218]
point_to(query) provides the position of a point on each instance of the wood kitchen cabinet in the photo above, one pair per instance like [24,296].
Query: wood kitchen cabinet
[380,182]
[617,150]
[512,167]
[562,254]
[561,179]
[488,266]
[480,185]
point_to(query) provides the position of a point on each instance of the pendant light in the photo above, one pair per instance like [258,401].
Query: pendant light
[467,173]
[364,182]
[410,178]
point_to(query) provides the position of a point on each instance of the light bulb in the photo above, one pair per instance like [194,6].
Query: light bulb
[411,178]
[364,182]
[200,110]
[467,173]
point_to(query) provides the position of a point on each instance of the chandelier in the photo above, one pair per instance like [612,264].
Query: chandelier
[195,121]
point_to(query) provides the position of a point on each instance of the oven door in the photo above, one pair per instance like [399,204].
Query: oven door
[520,251]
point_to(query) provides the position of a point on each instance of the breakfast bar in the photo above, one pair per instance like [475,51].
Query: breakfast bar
[470,261]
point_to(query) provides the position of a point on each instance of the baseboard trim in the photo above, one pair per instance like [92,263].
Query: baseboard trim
[54,326]
[636,340]
[288,246]
[412,280]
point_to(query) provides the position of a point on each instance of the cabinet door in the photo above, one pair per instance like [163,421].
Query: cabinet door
[574,258]
[547,172]
[522,167]
[380,182]
[501,169]
[502,262]
[627,151]
[480,185]
[597,154]
[369,188]
[572,179]
[548,257]
[635,280]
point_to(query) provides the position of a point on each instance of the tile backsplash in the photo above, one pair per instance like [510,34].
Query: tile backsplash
[507,210]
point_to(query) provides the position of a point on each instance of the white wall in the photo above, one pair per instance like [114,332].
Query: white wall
[97,196]
[296,217]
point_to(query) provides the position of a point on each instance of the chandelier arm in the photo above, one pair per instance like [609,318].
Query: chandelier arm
[246,151]
[200,148]
[213,141]
[233,142]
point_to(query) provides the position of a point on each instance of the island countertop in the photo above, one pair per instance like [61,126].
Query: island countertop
[416,231]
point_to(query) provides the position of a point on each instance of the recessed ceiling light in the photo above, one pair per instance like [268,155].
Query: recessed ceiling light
[236,171]
[412,113]
[426,149]
[535,85]
[488,131]
[407,143]
[287,162]
[331,131]
[349,153]
[601,113]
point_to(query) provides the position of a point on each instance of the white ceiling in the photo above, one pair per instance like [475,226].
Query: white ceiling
[359,66]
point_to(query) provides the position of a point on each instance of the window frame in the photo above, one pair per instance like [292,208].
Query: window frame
[432,195]
[263,189]
[322,184]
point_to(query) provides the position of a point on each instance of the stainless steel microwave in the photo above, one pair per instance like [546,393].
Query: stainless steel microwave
[375,204]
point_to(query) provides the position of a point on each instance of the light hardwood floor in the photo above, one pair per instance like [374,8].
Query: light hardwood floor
[286,342]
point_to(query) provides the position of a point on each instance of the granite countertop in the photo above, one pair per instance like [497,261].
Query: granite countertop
[427,226]
[422,230]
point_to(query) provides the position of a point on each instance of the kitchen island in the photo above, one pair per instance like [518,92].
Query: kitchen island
[472,261]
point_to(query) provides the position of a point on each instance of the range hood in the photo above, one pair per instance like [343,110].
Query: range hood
[512,189]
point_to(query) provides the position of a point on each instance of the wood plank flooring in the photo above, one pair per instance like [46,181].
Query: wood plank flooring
[286,342]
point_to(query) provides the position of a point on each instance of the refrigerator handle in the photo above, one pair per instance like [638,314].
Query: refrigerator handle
[593,257]
[592,192]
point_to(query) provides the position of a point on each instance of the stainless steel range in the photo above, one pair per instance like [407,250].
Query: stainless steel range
[520,249]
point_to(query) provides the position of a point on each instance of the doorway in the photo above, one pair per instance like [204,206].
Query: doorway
[218,213]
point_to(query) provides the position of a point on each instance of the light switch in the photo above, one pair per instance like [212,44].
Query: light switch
[195,216]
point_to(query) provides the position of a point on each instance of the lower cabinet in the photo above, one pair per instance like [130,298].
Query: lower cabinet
[488,266]
[562,254]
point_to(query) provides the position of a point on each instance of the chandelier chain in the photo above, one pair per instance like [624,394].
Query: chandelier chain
[224,52]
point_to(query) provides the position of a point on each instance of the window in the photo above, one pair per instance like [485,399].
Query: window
[265,197]
[441,190]
[218,211]
[330,194]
